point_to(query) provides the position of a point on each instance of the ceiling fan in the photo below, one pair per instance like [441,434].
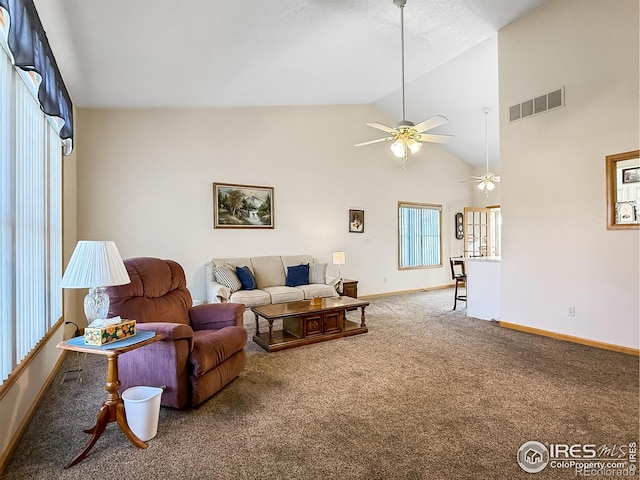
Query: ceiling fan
[486,182]
[405,135]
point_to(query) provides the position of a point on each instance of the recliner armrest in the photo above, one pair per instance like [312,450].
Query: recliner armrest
[171,331]
[214,316]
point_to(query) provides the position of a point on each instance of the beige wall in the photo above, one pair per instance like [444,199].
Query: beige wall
[18,403]
[557,251]
[145,181]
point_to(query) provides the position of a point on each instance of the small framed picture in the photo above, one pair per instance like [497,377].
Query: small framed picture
[356,221]
[631,175]
[626,212]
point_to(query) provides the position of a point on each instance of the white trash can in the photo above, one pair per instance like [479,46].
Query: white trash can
[142,407]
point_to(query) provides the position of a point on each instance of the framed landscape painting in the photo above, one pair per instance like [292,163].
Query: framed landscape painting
[242,206]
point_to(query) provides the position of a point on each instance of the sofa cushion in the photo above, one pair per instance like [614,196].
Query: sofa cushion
[297,275]
[289,260]
[268,270]
[247,279]
[227,277]
[251,298]
[318,273]
[317,290]
[232,262]
[284,294]
[212,347]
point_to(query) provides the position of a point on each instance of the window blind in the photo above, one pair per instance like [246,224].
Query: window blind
[419,235]
[31,203]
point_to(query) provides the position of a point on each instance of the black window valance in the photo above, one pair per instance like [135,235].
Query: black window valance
[30,48]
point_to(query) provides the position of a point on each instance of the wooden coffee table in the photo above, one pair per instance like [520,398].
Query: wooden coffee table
[304,322]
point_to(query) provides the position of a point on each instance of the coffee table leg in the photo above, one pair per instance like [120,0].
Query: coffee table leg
[362,322]
[270,320]
[257,326]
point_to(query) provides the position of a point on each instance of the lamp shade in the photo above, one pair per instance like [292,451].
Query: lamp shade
[95,264]
[338,258]
[398,148]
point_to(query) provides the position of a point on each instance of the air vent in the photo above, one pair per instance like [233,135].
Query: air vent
[537,105]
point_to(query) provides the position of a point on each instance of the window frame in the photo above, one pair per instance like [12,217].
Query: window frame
[426,206]
[32,160]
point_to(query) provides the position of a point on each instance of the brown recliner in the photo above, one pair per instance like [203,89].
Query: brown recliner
[203,349]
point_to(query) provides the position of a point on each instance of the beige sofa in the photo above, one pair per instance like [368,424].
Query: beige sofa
[270,273]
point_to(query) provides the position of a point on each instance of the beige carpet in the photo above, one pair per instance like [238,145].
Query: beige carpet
[426,394]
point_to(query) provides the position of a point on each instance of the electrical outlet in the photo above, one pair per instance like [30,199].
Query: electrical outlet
[571,311]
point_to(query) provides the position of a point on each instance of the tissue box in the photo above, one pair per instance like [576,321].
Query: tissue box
[102,335]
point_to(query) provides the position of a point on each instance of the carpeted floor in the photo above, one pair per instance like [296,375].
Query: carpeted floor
[427,394]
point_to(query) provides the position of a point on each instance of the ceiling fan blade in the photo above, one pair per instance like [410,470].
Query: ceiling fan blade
[386,139]
[467,181]
[384,128]
[430,123]
[497,178]
[433,138]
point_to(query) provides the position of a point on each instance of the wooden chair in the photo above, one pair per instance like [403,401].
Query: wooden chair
[459,275]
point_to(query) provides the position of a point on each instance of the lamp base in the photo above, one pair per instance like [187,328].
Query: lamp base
[96,304]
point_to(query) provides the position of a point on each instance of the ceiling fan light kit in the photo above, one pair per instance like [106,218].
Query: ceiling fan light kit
[405,136]
[487,185]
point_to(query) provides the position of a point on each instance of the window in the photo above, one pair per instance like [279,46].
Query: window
[419,227]
[483,231]
[31,224]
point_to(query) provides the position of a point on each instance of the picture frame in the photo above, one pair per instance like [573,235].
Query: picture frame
[242,206]
[626,212]
[619,191]
[631,175]
[356,221]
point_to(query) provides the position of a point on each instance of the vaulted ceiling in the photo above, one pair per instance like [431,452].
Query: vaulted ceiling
[199,53]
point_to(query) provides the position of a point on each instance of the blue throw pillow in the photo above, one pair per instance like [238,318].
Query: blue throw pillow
[247,279]
[298,275]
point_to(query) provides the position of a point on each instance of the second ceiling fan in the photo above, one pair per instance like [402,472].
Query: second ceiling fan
[406,136]
[488,180]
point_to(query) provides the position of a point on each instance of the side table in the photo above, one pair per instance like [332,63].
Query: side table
[112,409]
[350,288]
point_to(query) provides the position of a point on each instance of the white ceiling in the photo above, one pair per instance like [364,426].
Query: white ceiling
[161,53]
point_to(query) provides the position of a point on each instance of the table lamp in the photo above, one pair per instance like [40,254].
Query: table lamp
[95,265]
[339,259]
